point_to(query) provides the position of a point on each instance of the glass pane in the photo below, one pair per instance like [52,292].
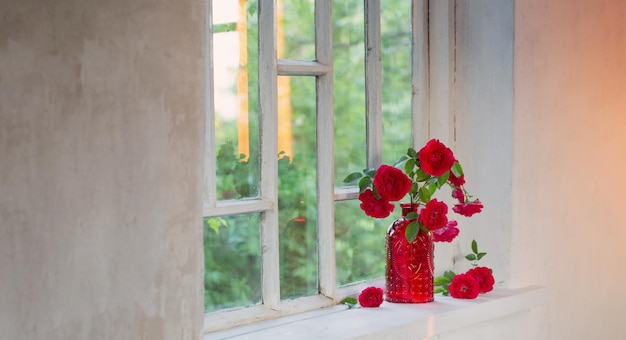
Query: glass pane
[296,29]
[297,193]
[395,29]
[232,262]
[359,243]
[349,84]
[236,92]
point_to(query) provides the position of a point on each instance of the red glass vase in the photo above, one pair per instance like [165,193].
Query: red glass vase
[410,266]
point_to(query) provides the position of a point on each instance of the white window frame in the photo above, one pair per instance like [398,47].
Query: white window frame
[430,102]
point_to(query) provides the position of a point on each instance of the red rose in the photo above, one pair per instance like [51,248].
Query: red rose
[447,233]
[375,207]
[468,209]
[484,277]
[371,297]
[456,181]
[391,183]
[435,158]
[458,194]
[433,216]
[463,286]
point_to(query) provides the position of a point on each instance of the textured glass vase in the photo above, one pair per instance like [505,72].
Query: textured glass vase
[410,266]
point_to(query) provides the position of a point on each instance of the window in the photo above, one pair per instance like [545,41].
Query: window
[301,93]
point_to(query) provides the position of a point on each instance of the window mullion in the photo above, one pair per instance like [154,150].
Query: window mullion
[325,153]
[373,83]
[268,188]
[419,72]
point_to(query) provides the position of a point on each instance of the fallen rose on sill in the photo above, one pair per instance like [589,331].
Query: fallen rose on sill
[371,297]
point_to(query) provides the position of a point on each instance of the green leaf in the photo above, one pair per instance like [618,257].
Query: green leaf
[441,180]
[441,280]
[411,152]
[474,247]
[409,165]
[480,255]
[414,188]
[470,257]
[371,172]
[411,216]
[400,161]
[411,231]
[349,301]
[457,170]
[215,223]
[352,177]
[432,188]
[364,183]
[424,194]
[421,176]
[449,274]
[437,290]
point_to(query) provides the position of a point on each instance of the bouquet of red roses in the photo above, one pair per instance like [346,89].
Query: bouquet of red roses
[420,175]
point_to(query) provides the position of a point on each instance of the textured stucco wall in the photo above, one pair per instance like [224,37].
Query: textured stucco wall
[101,135]
[568,162]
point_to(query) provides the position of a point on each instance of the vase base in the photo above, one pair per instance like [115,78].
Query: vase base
[398,300]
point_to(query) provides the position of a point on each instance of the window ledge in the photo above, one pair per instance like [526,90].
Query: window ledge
[421,320]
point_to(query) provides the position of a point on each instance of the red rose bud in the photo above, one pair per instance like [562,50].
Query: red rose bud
[371,297]
[435,158]
[464,286]
[391,183]
[458,194]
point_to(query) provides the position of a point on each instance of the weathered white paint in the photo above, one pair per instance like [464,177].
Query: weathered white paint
[441,70]
[101,140]
[325,141]
[268,139]
[373,84]
[420,102]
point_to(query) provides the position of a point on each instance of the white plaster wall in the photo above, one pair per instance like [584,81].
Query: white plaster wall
[568,226]
[101,135]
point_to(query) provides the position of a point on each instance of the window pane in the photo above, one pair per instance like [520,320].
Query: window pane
[359,243]
[395,29]
[235,85]
[297,193]
[349,84]
[296,29]
[232,262]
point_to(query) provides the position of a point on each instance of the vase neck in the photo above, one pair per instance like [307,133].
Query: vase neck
[408,207]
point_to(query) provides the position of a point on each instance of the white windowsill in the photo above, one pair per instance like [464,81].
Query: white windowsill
[421,320]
